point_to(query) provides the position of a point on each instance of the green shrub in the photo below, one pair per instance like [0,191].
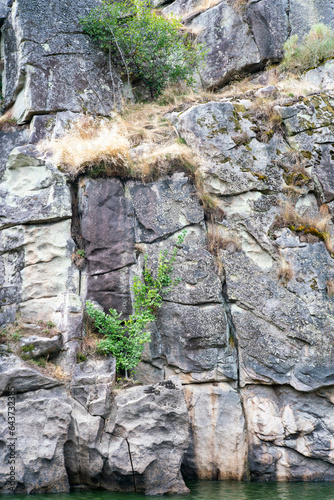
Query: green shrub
[315,48]
[143,43]
[125,339]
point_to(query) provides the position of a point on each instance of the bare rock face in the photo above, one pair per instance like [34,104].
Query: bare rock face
[290,434]
[242,38]
[92,383]
[59,69]
[152,421]
[164,207]
[218,444]
[231,46]
[146,433]
[107,227]
[36,346]
[42,422]
[15,373]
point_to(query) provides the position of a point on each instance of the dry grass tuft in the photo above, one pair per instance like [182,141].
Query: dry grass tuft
[314,225]
[7,121]
[295,175]
[330,288]
[78,260]
[165,160]
[285,271]
[89,142]
[91,338]
[56,372]
[240,5]
[269,120]
[241,139]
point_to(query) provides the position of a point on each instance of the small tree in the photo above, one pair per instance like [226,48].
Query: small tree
[125,339]
[143,43]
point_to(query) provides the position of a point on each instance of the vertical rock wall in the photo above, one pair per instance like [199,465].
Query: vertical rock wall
[253,352]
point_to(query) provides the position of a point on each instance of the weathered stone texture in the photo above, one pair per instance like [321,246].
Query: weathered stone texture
[107,227]
[151,423]
[58,69]
[218,444]
[164,207]
[42,422]
[92,383]
[290,434]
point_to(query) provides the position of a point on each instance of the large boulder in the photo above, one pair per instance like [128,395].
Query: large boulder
[141,447]
[91,384]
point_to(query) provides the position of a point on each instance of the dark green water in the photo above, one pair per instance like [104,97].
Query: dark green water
[208,490]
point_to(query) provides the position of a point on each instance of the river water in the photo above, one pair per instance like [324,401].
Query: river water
[211,490]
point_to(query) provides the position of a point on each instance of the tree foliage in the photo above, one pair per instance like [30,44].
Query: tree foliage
[143,43]
[125,339]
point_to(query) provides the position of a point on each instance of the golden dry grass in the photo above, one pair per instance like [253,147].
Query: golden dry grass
[330,288]
[285,271]
[270,121]
[88,142]
[315,225]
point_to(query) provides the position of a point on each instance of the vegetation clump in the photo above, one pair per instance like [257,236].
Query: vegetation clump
[315,48]
[125,339]
[144,43]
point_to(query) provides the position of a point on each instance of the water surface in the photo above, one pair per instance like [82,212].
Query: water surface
[212,490]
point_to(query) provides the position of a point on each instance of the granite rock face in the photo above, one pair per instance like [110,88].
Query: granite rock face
[58,69]
[290,434]
[218,446]
[146,432]
[248,331]
[44,419]
[243,38]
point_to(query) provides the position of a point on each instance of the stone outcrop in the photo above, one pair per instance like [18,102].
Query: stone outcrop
[243,37]
[58,69]
[239,374]
[88,437]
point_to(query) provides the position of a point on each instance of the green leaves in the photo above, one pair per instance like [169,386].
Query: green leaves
[144,43]
[125,339]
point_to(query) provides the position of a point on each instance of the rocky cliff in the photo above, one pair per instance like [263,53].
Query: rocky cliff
[238,379]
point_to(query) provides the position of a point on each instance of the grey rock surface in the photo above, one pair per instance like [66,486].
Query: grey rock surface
[15,373]
[231,47]
[91,385]
[218,444]
[269,23]
[164,207]
[41,430]
[152,423]
[59,69]
[289,434]
[148,422]
[107,228]
[36,346]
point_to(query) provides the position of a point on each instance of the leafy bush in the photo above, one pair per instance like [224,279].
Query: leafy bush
[316,47]
[143,43]
[125,339]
